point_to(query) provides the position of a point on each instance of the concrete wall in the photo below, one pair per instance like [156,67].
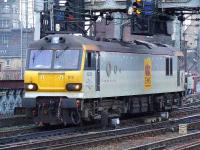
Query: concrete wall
[10,68]
[9,99]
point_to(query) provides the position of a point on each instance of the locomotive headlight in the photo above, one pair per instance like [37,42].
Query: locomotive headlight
[31,87]
[74,86]
[55,40]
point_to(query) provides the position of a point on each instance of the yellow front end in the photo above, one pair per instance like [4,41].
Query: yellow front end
[52,82]
[55,94]
[48,81]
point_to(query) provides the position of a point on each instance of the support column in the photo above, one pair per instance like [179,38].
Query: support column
[198,52]
[37,26]
[38,7]
[117,25]
[176,36]
[52,16]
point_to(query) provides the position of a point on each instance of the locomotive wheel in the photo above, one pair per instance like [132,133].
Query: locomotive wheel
[178,98]
[168,102]
[159,103]
[28,113]
[75,117]
[104,119]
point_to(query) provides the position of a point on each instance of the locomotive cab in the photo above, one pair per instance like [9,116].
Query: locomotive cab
[53,81]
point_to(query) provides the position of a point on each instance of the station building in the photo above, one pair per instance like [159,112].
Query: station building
[13,44]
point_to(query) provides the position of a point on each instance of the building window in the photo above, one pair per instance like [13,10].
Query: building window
[169,66]
[8,62]
[6,9]
[4,23]
[15,10]
[4,39]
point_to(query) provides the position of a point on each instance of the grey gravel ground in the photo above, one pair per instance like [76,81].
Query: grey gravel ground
[127,143]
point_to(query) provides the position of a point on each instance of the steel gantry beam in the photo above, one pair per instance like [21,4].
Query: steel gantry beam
[179,4]
[105,5]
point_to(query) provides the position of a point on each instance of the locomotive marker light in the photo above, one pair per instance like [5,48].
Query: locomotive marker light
[31,87]
[55,40]
[74,86]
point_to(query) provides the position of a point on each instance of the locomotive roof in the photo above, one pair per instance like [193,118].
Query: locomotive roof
[77,42]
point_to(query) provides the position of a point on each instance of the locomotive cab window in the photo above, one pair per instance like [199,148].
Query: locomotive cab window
[90,60]
[54,59]
[169,66]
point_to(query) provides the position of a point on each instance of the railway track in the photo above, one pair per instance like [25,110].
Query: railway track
[10,131]
[169,143]
[46,133]
[192,99]
[184,111]
[23,132]
[191,146]
[65,141]
[13,130]
[15,121]
[88,143]
[196,102]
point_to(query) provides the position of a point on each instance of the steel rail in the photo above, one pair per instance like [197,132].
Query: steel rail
[80,140]
[88,142]
[169,142]
[191,146]
[39,135]
[10,131]
[185,111]
[15,120]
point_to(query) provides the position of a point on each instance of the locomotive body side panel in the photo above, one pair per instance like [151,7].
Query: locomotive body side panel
[122,74]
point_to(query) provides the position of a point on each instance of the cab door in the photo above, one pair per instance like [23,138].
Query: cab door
[92,64]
